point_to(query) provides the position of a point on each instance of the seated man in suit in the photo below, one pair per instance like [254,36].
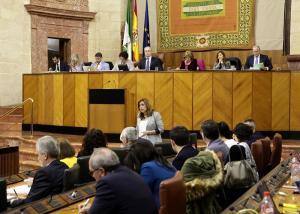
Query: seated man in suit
[180,141]
[150,62]
[49,179]
[118,189]
[257,58]
[99,65]
[58,65]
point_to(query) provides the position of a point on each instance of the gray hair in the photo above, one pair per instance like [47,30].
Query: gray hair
[256,46]
[250,123]
[103,158]
[128,133]
[48,145]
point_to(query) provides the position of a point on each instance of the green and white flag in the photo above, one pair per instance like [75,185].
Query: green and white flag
[127,33]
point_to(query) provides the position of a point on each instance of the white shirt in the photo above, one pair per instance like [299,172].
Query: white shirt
[142,127]
[230,143]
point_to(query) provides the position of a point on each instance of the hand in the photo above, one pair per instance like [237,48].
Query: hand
[146,133]
[83,209]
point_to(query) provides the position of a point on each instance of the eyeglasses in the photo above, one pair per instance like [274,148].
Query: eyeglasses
[92,172]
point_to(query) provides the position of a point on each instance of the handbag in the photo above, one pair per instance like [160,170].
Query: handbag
[239,174]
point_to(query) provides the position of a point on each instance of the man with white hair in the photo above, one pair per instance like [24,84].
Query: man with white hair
[128,136]
[118,189]
[150,62]
[257,58]
[256,135]
[49,179]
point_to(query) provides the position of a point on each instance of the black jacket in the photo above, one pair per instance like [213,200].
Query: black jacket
[263,59]
[155,62]
[47,181]
[122,191]
[186,152]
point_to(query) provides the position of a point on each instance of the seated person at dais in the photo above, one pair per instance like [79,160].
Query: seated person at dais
[221,61]
[258,61]
[180,141]
[189,63]
[58,65]
[118,189]
[150,62]
[151,165]
[49,179]
[128,136]
[99,64]
[75,64]
[123,60]
[67,153]
[93,138]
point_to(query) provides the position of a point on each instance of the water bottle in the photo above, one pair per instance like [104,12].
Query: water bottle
[267,206]
[295,170]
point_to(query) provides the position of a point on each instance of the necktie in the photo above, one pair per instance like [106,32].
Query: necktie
[256,60]
[147,64]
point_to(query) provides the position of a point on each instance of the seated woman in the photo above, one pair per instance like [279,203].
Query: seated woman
[221,62]
[189,63]
[152,166]
[67,153]
[75,64]
[149,122]
[94,138]
[123,60]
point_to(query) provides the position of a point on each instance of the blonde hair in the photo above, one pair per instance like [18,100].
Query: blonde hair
[148,106]
[188,54]
[75,60]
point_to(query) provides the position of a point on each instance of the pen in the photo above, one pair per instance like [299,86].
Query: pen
[86,202]
[288,205]
[16,193]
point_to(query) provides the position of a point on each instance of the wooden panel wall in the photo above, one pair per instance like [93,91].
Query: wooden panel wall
[182,98]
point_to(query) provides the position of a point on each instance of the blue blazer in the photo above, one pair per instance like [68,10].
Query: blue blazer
[263,59]
[122,192]
[47,181]
[186,152]
[154,173]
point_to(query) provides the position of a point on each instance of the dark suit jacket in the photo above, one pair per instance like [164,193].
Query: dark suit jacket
[191,67]
[62,68]
[122,192]
[263,59]
[155,62]
[255,136]
[47,181]
[186,152]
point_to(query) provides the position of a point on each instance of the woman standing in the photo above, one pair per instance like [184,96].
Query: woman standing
[149,122]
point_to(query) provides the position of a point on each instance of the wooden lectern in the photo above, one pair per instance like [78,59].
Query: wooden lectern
[107,110]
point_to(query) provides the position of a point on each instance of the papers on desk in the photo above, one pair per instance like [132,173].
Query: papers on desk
[22,191]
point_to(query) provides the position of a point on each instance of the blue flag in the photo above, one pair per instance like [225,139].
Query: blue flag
[146,41]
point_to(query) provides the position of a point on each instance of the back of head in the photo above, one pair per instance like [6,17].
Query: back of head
[180,135]
[224,130]
[48,145]
[142,152]
[251,123]
[104,158]
[210,129]
[66,149]
[128,133]
[243,132]
[94,138]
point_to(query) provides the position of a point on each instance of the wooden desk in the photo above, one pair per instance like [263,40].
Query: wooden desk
[72,208]
[272,99]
